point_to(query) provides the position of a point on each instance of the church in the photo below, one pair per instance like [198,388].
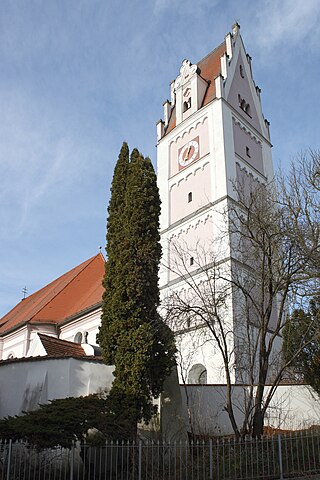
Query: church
[213,133]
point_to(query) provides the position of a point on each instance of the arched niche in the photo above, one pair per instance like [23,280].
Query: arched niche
[197,374]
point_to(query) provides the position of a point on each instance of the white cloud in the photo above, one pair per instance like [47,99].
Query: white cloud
[289,21]
[42,157]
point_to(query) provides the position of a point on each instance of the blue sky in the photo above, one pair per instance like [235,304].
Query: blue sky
[79,77]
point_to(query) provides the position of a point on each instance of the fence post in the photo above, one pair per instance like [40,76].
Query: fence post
[9,459]
[280,457]
[210,460]
[71,461]
[139,460]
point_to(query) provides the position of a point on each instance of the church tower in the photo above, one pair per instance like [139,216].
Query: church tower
[213,134]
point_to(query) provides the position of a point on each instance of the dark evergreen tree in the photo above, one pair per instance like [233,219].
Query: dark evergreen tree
[132,334]
[301,339]
[66,420]
[114,295]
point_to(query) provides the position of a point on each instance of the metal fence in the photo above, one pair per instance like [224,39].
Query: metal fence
[274,457]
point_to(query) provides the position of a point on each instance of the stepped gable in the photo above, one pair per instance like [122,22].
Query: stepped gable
[76,290]
[210,69]
[55,347]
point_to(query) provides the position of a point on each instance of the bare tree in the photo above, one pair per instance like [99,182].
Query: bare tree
[299,195]
[240,302]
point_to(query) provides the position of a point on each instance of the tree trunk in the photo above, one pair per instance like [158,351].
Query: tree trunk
[257,423]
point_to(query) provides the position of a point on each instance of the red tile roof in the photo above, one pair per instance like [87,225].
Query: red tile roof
[210,69]
[76,290]
[61,348]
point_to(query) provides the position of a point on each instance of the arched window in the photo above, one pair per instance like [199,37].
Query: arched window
[10,356]
[244,105]
[187,104]
[197,374]
[78,338]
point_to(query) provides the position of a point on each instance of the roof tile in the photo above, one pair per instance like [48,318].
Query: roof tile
[57,347]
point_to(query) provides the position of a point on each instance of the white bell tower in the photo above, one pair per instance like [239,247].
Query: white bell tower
[213,134]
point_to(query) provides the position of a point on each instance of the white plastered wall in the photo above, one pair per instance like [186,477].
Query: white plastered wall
[87,323]
[15,343]
[293,407]
[196,343]
[30,382]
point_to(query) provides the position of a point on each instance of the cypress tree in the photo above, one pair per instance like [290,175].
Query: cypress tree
[132,334]
[113,293]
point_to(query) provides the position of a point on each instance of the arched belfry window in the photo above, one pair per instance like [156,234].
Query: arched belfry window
[78,338]
[197,374]
[245,106]
[187,104]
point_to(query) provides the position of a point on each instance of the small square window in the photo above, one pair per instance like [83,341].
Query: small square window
[248,152]
[191,261]
[189,197]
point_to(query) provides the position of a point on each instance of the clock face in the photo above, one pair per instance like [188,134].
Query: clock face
[189,152]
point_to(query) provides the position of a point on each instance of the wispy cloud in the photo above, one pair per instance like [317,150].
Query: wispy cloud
[40,159]
[286,21]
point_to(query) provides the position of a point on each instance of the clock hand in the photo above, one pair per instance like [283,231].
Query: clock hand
[186,155]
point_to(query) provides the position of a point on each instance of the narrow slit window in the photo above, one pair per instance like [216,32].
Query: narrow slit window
[241,71]
[191,261]
[189,197]
[248,152]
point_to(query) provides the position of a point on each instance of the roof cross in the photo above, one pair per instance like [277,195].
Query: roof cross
[25,292]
